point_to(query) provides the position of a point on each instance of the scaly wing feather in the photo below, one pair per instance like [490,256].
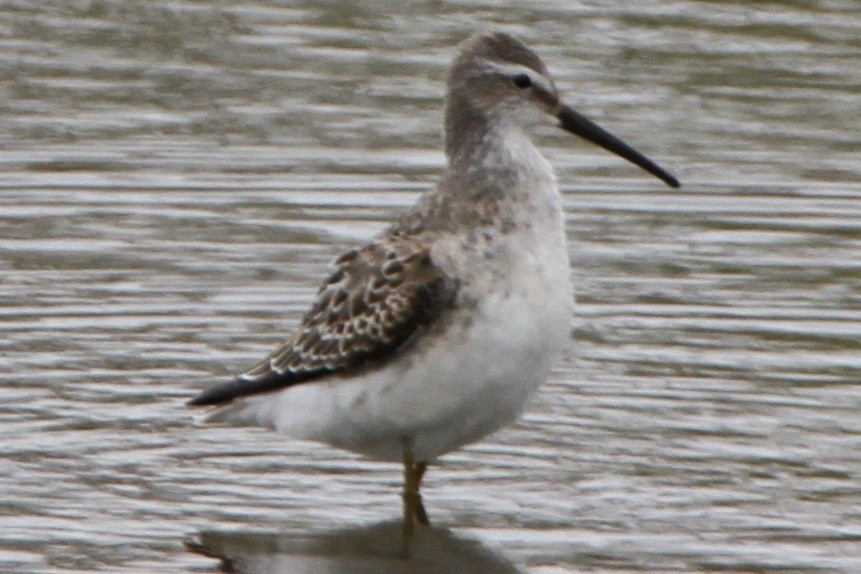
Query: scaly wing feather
[377,298]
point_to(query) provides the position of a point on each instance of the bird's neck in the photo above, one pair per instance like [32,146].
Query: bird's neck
[491,156]
[481,148]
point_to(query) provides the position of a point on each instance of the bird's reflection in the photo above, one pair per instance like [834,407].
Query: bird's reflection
[371,549]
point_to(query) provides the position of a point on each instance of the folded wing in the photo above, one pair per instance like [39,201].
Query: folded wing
[377,298]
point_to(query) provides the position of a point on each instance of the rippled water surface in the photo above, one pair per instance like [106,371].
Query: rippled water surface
[176,176]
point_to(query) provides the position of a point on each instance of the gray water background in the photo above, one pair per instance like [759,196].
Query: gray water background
[176,176]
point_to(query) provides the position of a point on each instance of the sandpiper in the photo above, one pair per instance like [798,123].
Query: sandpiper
[436,332]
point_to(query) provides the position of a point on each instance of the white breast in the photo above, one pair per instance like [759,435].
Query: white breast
[475,371]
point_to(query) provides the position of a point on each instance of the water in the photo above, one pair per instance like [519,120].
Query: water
[176,177]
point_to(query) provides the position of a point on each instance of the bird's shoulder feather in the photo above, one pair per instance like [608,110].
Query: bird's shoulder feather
[376,298]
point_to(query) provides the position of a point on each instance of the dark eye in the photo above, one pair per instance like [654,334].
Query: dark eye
[522,81]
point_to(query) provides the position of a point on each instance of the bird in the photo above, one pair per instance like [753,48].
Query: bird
[438,330]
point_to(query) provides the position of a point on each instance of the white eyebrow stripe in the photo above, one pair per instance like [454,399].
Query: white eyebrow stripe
[510,69]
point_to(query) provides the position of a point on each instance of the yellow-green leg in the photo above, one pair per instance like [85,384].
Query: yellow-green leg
[414,510]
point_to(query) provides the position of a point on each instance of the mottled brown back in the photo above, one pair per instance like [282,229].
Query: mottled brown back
[376,299]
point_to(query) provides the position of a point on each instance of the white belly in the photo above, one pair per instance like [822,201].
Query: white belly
[453,387]
[470,376]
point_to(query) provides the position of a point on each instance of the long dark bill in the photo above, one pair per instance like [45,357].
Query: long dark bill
[571,121]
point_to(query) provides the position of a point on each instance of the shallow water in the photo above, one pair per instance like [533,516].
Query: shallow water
[177,176]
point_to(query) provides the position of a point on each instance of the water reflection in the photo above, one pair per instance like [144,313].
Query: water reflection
[375,548]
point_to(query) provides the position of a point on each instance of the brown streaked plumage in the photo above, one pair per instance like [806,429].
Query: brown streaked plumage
[375,300]
[438,331]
